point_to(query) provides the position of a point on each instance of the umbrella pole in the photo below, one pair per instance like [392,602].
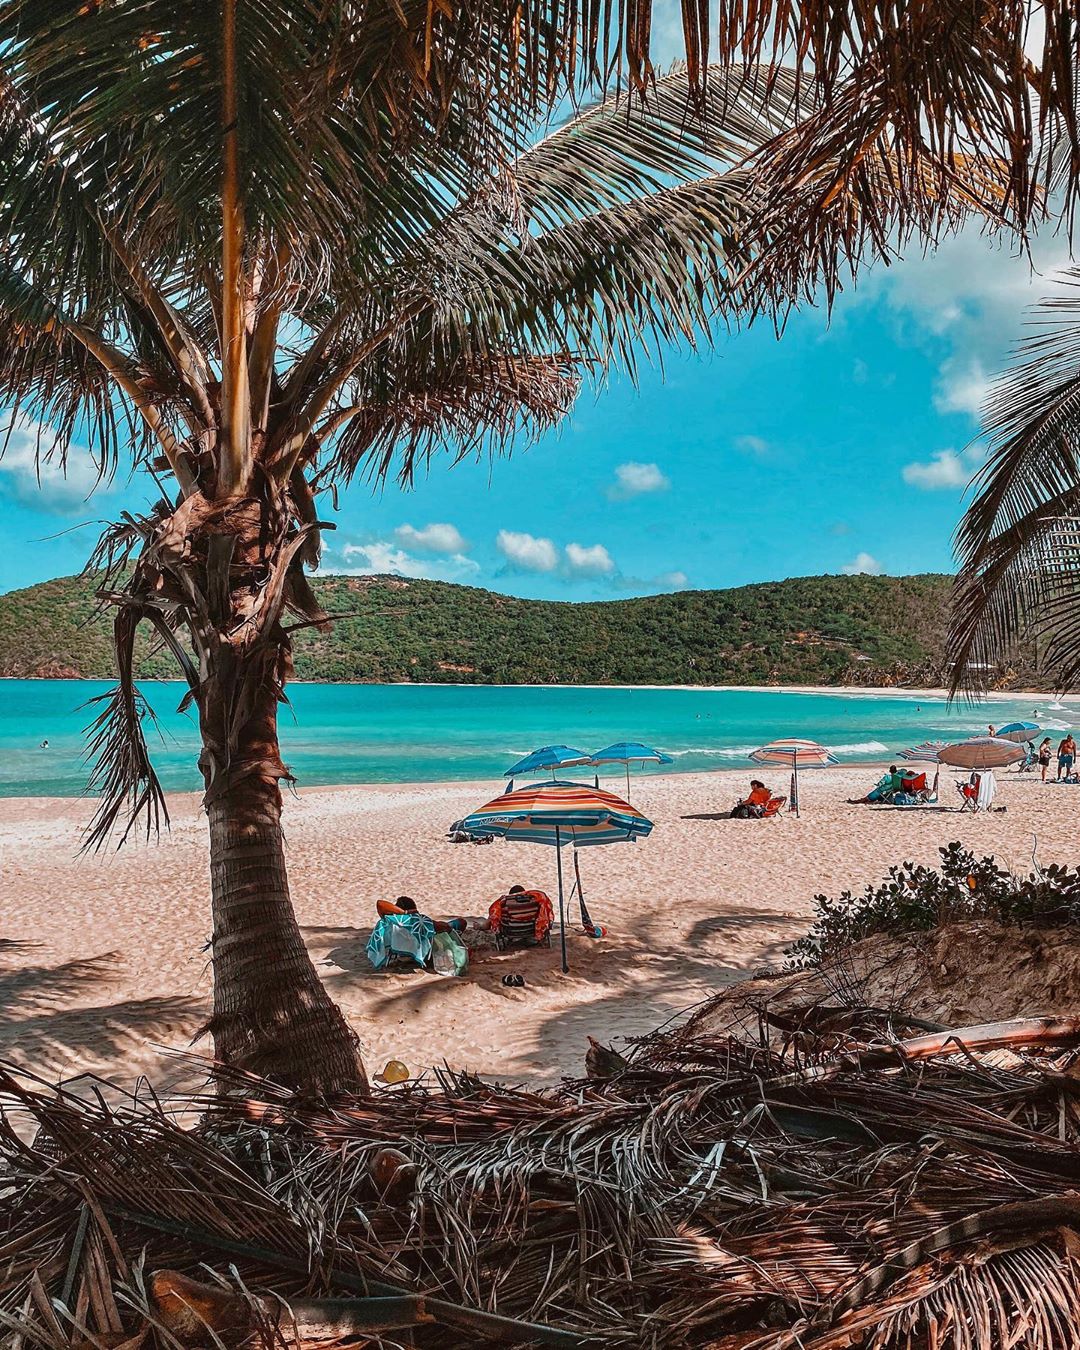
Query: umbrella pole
[627,780]
[795,762]
[562,902]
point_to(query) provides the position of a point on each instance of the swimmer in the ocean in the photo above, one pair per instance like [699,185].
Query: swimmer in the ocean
[45,744]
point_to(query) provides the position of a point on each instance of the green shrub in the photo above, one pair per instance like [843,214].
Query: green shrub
[914,899]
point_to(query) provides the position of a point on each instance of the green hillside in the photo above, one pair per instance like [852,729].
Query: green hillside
[808,630]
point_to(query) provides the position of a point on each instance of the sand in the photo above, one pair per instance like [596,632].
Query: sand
[116,973]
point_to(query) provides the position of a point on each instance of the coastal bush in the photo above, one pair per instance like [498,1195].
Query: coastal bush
[914,898]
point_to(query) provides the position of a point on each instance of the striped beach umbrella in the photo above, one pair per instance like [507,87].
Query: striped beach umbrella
[629,752]
[981,752]
[558,814]
[794,754]
[926,753]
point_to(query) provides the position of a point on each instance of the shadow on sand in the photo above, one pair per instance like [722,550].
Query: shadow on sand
[46,1024]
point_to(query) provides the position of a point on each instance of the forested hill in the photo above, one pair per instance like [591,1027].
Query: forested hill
[808,630]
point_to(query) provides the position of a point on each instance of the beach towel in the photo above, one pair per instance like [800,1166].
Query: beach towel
[881,789]
[449,955]
[987,790]
[501,913]
[410,935]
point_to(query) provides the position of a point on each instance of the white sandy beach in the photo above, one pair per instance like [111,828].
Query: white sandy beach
[118,971]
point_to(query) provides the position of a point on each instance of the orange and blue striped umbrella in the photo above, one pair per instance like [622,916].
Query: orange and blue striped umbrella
[794,754]
[558,814]
[791,753]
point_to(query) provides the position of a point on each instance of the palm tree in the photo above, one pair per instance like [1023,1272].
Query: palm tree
[261,246]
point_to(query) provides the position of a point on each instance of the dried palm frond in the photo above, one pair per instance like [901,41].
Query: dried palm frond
[704,1193]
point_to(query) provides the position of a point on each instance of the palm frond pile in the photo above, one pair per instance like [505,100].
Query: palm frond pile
[711,1191]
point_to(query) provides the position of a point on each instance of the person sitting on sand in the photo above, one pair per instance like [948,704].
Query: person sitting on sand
[517,911]
[753,805]
[887,784]
[405,904]
[403,932]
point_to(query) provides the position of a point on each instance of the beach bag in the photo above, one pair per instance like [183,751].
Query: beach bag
[449,955]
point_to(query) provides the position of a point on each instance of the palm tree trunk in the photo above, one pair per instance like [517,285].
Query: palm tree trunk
[272,1016]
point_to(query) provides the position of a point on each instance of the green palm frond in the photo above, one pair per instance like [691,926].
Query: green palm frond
[628,229]
[271,242]
[1019,541]
[477,402]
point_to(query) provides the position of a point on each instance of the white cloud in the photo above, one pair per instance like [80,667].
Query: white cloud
[526,552]
[382,558]
[945,469]
[968,298]
[433,538]
[962,387]
[672,581]
[44,484]
[592,560]
[751,445]
[862,563]
[633,479]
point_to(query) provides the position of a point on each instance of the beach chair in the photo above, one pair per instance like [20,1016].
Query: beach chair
[401,939]
[969,794]
[523,920]
[773,807]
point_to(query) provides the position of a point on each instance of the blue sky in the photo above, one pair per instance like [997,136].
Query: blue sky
[842,446]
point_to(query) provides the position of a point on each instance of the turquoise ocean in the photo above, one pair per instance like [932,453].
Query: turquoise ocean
[363,733]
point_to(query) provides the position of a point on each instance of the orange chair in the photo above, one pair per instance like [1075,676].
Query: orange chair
[773,807]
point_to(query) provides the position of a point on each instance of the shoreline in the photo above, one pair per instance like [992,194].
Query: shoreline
[824,690]
[490,786]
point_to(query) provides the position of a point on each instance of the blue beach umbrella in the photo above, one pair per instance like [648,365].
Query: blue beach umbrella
[1022,732]
[549,757]
[630,752]
[558,814]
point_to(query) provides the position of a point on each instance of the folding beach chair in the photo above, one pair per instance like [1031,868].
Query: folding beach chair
[969,793]
[524,920]
[773,807]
